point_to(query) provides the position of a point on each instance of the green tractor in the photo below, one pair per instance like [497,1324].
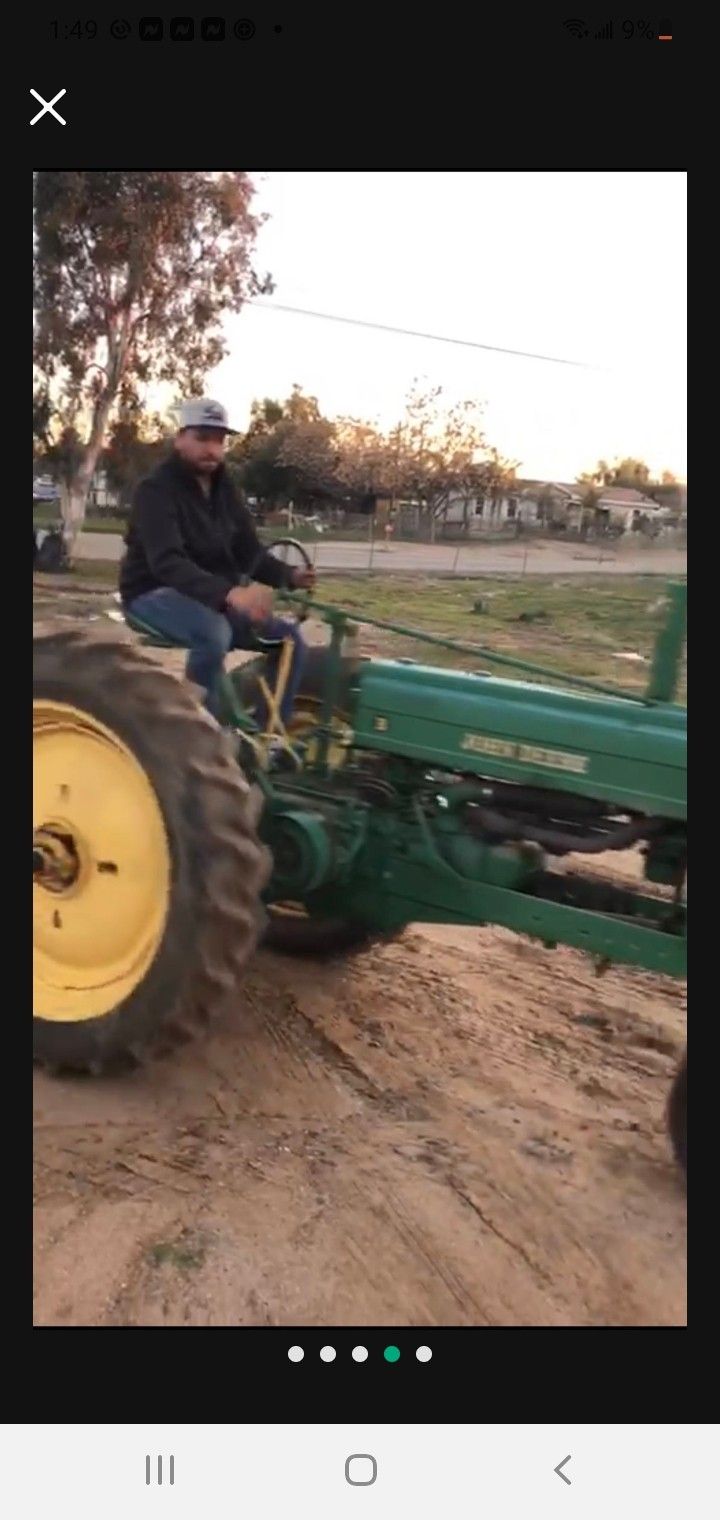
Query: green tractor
[165,846]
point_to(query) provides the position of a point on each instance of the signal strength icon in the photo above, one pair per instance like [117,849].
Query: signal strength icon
[605,33]
[576,29]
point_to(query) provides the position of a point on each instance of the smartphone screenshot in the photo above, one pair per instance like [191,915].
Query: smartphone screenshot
[359,769]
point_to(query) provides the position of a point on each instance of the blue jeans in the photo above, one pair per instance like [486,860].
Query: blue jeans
[209,636]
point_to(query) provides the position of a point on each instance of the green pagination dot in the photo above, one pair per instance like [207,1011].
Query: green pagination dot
[391,1354]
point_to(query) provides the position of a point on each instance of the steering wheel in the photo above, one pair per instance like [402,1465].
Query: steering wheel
[288,544]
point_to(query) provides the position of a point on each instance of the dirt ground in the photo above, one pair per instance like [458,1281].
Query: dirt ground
[461,1128]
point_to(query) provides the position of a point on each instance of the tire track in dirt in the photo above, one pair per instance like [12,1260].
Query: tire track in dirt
[458,1128]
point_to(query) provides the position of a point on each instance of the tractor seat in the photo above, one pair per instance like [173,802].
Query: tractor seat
[156,640]
[150,635]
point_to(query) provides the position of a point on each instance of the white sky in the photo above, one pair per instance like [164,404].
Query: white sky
[587,266]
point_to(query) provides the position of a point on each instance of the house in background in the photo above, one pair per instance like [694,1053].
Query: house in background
[484,513]
[557,503]
[561,504]
[624,507]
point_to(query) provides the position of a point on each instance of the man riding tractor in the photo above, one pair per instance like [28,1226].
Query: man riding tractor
[191,549]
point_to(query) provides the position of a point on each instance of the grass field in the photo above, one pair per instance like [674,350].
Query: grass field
[577,625]
[581,628]
[45,515]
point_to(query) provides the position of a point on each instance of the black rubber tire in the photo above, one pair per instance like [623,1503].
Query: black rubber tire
[219,867]
[677,1114]
[322,938]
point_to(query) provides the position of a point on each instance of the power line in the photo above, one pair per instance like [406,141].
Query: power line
[406,332]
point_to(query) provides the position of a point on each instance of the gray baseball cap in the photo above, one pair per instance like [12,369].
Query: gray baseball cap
[204,413]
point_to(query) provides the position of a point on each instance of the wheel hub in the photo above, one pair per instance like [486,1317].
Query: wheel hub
[56,859]
[101,866]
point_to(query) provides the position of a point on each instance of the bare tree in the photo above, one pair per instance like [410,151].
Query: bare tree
[445,456]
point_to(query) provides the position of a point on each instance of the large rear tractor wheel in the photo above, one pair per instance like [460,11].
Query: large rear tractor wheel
[677,1114]
[289,929]
[147,871]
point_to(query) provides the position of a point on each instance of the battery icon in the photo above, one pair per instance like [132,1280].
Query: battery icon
[665,31]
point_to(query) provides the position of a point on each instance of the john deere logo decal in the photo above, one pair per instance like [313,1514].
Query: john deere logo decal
[528,754]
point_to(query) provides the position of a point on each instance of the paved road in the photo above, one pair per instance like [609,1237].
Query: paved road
[547,558]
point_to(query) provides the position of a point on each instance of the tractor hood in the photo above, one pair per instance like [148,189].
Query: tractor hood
[626,752]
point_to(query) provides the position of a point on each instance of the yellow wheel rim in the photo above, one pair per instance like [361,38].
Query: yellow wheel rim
[100,909]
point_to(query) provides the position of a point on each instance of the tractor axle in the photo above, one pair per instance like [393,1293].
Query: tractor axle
[55,860]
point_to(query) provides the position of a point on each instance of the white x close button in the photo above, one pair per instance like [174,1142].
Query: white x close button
[48,107]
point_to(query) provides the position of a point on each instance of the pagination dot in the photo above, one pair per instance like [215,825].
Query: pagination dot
[360,1353]
[328,1354]
[295,1354]
[423,1353]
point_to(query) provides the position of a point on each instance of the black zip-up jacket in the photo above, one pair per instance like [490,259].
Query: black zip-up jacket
[200,545]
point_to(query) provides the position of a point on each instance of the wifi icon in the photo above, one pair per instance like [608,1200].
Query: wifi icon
[576,29]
